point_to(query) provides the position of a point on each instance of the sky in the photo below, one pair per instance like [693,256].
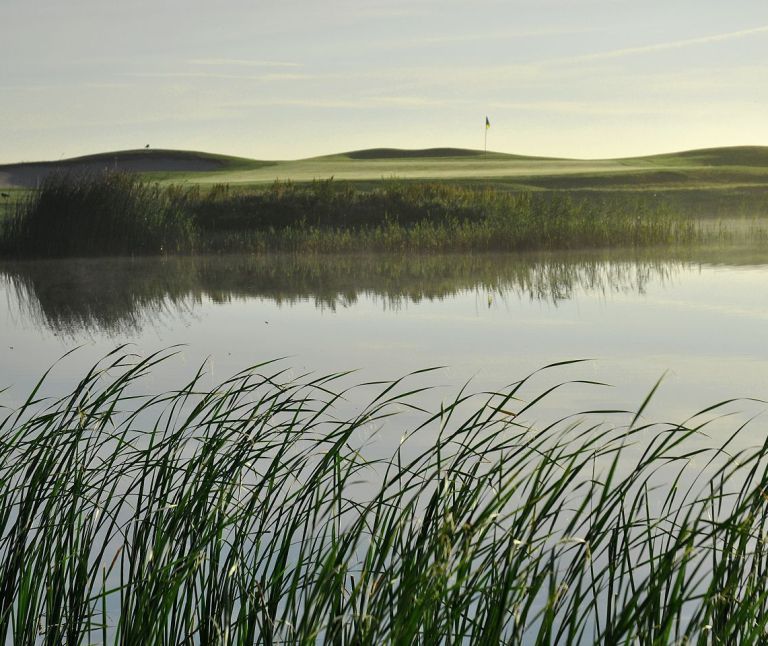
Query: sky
[291,79]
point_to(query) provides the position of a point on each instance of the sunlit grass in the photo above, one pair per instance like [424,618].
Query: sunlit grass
[253,511]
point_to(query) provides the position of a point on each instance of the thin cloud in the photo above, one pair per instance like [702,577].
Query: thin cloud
[616,109]
[503,35]
[240,62]
[677,44]
[276,76]
[352,103]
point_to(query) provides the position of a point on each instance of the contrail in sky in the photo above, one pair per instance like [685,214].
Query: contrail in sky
[703,40]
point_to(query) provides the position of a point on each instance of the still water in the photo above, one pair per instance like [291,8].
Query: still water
[697,318]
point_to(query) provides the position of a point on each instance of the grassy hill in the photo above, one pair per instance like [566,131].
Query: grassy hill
[743,156]
[733,168]
[155,162]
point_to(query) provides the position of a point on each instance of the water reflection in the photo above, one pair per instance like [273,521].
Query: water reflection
[119,295]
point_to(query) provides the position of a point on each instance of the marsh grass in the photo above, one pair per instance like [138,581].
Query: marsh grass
[116,213]
[329,216]
[254,512]
[99,214]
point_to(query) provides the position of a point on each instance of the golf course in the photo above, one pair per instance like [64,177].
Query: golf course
[437,200]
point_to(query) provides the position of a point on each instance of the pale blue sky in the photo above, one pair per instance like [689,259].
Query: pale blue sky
[288,79]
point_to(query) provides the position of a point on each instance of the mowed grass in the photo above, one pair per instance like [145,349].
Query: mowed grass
[733,167]
[344,167]
[719,167]
[254,511]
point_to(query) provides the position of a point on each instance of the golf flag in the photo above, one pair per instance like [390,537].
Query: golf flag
[487,123]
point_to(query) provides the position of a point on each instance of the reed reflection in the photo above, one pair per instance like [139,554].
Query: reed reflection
[119,295]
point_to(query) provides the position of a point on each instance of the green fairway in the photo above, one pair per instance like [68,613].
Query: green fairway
[352,167]
[743,167]
[731,167]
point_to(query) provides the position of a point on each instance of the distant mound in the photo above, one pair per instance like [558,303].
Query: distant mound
[756,156]
[400,153]
[159,159]
[30,174]
[735,165]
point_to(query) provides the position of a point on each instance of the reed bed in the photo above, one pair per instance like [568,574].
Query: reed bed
[255,512]
[99,214]
[117,213]
[398,216]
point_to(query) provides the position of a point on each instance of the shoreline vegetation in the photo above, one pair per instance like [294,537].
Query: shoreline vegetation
[116,213]
[252,511]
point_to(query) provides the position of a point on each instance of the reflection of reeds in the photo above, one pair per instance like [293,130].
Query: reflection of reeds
[122,294]
[84,296]
[118,213]
[253,512]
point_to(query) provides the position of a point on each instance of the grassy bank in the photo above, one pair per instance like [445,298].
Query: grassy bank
[116,213]
[254,512]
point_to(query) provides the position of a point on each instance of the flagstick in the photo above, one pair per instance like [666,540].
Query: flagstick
[485,144]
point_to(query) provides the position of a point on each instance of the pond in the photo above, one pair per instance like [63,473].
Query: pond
[696,317]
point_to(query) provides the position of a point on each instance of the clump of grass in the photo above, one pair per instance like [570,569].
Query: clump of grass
[252,512]
[108,213]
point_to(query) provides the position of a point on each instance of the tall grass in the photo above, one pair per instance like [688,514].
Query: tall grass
[254,512]
[116,213]
[107,213]
[401,216]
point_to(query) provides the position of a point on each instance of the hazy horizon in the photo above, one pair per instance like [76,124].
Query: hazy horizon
[588,79]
